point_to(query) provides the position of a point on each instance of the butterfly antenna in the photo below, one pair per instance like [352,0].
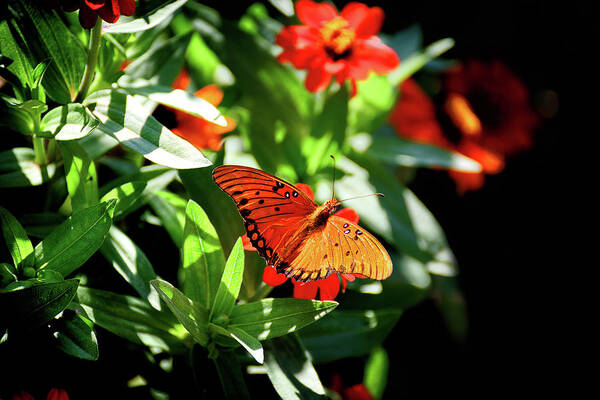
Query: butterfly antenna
[333,181]
[364,195]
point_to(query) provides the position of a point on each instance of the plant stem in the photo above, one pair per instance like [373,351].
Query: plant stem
[40,155]
[90,66]
[262,291]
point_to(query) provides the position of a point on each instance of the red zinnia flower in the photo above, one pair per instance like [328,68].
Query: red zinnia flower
[108,10]
[331,44]
[487,106]
[329,287]
[355,392]
[201,133]
[57,394]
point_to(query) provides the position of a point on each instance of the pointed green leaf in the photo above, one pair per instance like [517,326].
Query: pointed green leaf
[290,369]
[418,60]
[170,209]
[376,372]
[80,174]
[126,120]
[250,343]
[269,318]
[131,318]
[231,376]
[36,304]
[191,315]
[75,336]
[131,263]
[28,173]
[348,333]
[130,25]
[68,122]
[203,258]
[126,194]
[16,239]
[76,239]
[231,281]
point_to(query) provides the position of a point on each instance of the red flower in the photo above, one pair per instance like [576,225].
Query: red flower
[329,44]
[201,133]
[355,392]
[108,10]
[329,287]
[487,108]
[57,394]
[23,395]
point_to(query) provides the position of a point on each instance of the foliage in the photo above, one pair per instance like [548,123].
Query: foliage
[93,159]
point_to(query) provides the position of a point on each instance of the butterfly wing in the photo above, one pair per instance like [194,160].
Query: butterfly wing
[341,247]
[273,209]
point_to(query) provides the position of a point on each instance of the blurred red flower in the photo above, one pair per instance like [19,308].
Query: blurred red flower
[90,10]
[201,133]
[355,392]
[485,104]
[329,44]
[329,287]
[53,394]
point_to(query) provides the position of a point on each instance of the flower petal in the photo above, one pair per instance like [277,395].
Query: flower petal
[317,79]
[182,81]
[210,93]
[315,14]
[349,214]
[127,7]
[272,278]
[306,290]
[306,190]
[491,162]
[365,21]
[110,12]
[57,394]
[297,36]
[375,55]
[329,287]
[87,17]
[95,4]
[300,58]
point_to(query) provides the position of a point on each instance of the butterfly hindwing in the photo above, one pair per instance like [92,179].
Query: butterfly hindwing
[342,247]
[272,208]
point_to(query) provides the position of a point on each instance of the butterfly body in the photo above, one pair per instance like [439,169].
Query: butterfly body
[294,234]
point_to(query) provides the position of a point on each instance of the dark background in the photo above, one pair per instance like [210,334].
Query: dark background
[509,236]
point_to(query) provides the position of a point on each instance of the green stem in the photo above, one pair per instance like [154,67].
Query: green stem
[90,66]
[262,292]
[40,155]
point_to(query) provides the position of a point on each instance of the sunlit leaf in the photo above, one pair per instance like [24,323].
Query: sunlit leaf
[230,284]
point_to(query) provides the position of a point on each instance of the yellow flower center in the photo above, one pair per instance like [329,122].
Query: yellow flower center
[337,38]
[462,115]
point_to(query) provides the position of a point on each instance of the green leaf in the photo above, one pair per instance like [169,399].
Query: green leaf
[203,260]
[130,25]
[395,150]
[126,194]
[16,239]
[219,207]
[231,376]
[97,143]
[348,333]
[75,336]
[231,281]
[192,315]
[8,274]
[12,159]
[369,109]
[250,343]
[80,171]
[376,372]
[37,304]
[418,60]
[68,122]
[14,47]
[123,118]
[152,66]
[16,119]
[76,239]
[452,304]
[290,369]
[170,209]
[328,131]
[131,263]
[131,318]
[174,98]
[269,318]
[49,38]
[28,174]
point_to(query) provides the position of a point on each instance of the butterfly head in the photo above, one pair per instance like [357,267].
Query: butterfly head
[331,206]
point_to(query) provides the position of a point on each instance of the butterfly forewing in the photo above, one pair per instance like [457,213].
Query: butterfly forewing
[272,208]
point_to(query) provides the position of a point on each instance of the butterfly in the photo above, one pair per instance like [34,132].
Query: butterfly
[300,238]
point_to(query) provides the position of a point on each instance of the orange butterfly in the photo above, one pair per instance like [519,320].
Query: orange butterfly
[294,234]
